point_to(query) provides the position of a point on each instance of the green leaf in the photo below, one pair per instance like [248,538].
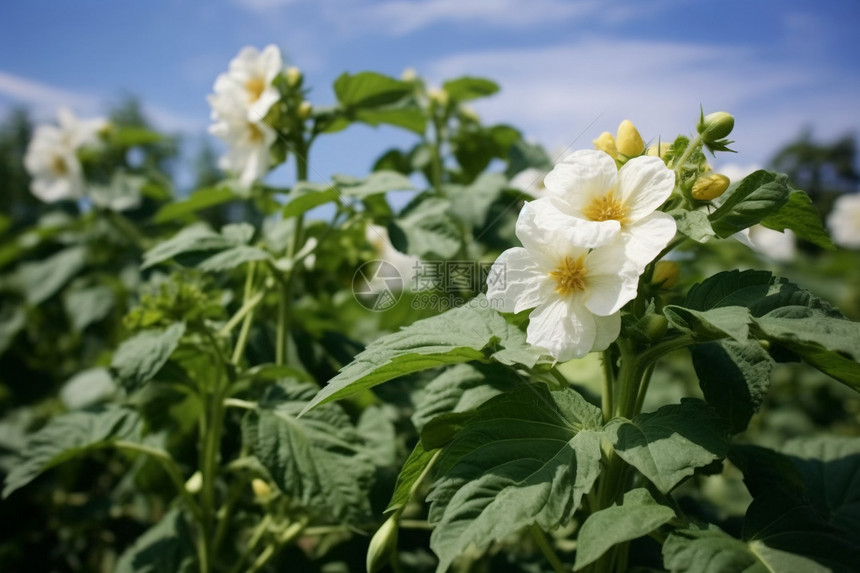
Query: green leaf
[232,258]
[756,197]
[40,280]
[12,321]
[471,204]
[468,88]
[369,89]
[414,468]
[427,230]
[197,238]
[830,344]
[408,117]
[714,324]
[89,305]
[70,435]
[799,215]
[694,224]
[470,332]
[318,460]
[166,546]
[86,388]
[374,184]
[200,199]
[461,388]
[734,378]
[132,136]
[669,444]
[526,457]
[638,515]
[305,196]
[139,358]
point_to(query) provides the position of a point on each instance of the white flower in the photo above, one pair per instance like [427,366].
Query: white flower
[574,274]
[588,185]
[844,221]
[247,86]
[777,245]
[248,147]
[52,159]
[405,264]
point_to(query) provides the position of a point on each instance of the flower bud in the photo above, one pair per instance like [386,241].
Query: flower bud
[606,143]
[409,75]
[194,483]
[294,76]
[468,113]
[439,96]
[305,109]
[666,274]
[628,141]
[261,489]
[659,150]
[383,544]
[655,326]
[710,186]
[715,126]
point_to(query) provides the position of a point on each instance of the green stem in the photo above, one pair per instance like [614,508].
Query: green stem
[290,533]
[678,164]
[543,543]
[608,384]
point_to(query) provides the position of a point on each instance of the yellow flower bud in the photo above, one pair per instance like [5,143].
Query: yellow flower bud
[409,75]
[628,141]
[294,76]
[606,143]
[715,126]
[382,545]
[439,96]
[194,483]
[710,186]
[305,109]
[666,274]
[659,150]
[262,490]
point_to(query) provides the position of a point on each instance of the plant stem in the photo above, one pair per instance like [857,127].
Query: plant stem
[547,550]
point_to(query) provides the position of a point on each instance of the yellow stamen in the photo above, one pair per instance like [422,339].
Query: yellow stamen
[607,208]
[255,87]
[59,166]
[570,276]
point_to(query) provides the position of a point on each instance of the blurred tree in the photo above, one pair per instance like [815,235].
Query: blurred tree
[822,170]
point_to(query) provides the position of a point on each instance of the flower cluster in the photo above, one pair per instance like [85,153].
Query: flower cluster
[584,248]
[243,97]
[52,156]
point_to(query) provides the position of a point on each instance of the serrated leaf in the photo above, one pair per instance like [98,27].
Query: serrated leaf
[70,435]
[199,200]
[800,216]
[694,224]
[467,333]
[526,457]
[734,378]
[40,280]
[638,515]
[369,89]
[166,546]
[139,358]
[89,305]
[756,197]
[467,88]
[712,550]
[669,444]
[427,230]
[461,388]
[319,460]
[830,344]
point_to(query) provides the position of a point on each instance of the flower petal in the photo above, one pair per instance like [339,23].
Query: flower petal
[608,329]
[645,238]
[564,328]
[582,176]
[612,279]
[645,184]
[517,281]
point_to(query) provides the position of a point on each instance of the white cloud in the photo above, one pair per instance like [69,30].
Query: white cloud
[44,100]
[556,93]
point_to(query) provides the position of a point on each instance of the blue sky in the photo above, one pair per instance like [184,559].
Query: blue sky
[568,69]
